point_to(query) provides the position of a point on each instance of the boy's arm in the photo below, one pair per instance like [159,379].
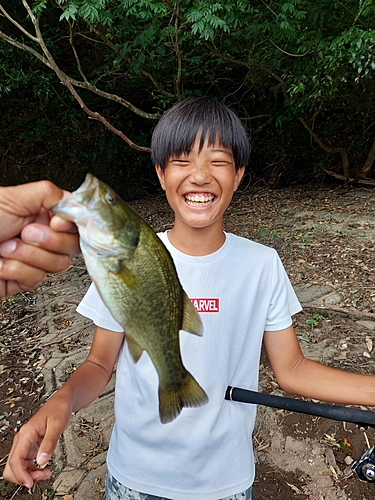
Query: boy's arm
[37,439]
[299,375]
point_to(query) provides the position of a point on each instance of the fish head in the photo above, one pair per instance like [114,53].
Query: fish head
[107,225]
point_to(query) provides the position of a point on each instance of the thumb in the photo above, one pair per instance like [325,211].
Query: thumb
[47,447]
[43,458]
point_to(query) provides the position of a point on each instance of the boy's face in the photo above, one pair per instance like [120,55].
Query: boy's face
[199,186]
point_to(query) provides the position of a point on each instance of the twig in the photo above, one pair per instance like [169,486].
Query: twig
[343,310]
[11,325]
[3,460]
[16,492]
[366,182]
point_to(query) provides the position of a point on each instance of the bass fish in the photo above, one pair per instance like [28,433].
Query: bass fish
[137,280]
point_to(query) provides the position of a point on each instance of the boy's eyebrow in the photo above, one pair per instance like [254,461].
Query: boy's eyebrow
[222,150]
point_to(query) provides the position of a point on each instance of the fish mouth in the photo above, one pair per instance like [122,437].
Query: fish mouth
[75,207]
[199,199]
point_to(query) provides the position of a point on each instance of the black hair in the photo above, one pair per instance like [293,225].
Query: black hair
[178,128]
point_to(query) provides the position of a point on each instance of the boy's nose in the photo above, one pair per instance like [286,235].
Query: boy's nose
[200,173]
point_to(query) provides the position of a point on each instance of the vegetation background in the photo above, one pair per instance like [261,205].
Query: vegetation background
[83,83]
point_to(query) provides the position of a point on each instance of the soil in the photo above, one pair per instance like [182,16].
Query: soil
[298,456]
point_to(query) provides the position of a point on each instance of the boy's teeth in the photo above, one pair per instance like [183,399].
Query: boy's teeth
[199,199]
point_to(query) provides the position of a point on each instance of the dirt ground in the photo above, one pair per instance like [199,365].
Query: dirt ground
[298,456]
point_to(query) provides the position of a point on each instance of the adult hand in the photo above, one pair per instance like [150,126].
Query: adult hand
[31,243]
[34,444]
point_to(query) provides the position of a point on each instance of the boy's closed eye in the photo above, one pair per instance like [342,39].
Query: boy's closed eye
[220,163]
[180,161]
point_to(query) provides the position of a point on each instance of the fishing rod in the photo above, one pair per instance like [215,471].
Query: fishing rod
[364,468]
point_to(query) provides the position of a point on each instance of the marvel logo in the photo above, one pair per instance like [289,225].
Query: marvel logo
[206,305]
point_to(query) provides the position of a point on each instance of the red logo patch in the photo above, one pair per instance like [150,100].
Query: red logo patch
[206,305]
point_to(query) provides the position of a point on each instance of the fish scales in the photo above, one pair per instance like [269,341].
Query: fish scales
[137,280]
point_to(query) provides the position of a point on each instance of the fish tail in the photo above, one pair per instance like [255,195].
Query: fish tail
[188,394]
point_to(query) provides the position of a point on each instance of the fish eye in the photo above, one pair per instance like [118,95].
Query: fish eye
[110,198]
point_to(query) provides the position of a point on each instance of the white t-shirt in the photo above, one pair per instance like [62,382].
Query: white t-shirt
[206,453]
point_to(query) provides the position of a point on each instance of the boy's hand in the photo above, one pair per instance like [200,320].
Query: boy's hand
[31,243]
[34,445]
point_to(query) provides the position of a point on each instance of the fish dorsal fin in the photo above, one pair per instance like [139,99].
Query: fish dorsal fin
[134,349]
[191,321]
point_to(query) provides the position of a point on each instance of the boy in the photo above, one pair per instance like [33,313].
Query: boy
[200,150]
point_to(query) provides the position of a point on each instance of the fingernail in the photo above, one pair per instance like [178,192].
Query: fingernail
[32,234]
[42,459]
[8,246]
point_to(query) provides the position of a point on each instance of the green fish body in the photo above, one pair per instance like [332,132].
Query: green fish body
[137,280]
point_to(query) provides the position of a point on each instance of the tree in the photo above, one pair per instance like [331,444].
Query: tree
[274,63]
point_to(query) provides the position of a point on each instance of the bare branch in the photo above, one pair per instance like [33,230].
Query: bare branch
[79,66]
[365,182]
[112,97]
[84,85]
[21,28]
[107,42]
[24,47]
[343,310]
[70,83]
[288,53]
[332,150]
[177,48]
[368,166]
[100,118]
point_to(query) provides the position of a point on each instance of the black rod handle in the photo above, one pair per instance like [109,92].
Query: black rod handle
[359,417]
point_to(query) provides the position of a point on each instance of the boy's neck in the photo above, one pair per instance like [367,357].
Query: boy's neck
[197,241]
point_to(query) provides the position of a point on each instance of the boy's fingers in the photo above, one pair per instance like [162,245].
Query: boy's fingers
[40,475]
[19,464]
[48,444]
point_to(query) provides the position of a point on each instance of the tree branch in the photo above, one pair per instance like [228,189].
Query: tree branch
[365,182]
[69,83]
[177,48]
[343,310]
[341,151]
[367,167]
[26,48]
[100,118]
[332,150]
[21,28]
[79,66]
[107,42]
[288,53]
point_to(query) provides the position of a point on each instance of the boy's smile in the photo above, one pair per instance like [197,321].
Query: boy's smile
[199,186]
[199,199]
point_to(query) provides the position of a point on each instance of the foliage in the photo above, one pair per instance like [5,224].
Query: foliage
[289,64]
[314,321]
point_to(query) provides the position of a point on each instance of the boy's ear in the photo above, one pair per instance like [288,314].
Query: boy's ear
[160,174]
[239,176]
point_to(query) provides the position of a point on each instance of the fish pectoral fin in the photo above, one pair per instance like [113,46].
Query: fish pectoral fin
[191,321]
[134,349]
[124,274]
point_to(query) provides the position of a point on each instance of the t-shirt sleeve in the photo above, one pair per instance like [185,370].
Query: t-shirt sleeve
[93,307]
[284,302]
